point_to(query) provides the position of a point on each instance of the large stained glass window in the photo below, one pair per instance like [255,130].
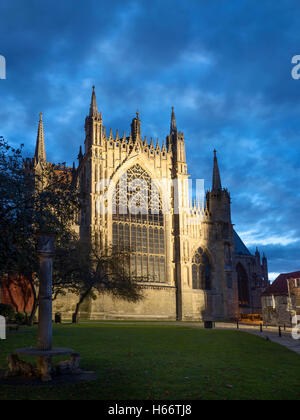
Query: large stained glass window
[201,271]
[138,225]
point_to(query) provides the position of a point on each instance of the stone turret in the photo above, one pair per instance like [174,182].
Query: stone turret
[219,240]
[176,145]
[93,124]
[136,127]
[218,202]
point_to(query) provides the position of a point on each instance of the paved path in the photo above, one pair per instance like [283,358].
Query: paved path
[270,333]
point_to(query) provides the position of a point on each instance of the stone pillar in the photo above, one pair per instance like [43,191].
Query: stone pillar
[45,251]
[2,328]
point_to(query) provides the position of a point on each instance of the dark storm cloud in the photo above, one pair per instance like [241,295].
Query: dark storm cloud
[224,65]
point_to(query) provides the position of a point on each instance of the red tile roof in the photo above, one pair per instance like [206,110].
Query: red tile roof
[279,286]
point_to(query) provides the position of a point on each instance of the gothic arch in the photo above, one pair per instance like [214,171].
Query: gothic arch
[201,270]
[131,161]
[243,285]
[144,223]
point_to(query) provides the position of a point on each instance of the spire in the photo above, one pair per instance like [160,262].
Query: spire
[80,155]
[173,128]
[257,256]
[157,145]
[93,106]
[217,186]
[40,153]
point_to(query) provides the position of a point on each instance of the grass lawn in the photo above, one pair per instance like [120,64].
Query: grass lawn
[166,362]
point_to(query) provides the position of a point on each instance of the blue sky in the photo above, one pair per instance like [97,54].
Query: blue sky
[225,65]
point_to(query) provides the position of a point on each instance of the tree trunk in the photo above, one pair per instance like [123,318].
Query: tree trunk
[75,320]
[35,303]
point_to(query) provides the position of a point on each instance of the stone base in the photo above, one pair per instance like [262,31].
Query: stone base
[44,370]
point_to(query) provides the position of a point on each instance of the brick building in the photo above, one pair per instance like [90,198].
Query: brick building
[16,292]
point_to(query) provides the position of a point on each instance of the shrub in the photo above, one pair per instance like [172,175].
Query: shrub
[7,311]
[21,318]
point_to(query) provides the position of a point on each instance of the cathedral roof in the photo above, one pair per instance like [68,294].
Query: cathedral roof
[240,247]
[280,285]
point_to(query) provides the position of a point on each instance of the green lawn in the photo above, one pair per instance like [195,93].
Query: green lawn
[166,362]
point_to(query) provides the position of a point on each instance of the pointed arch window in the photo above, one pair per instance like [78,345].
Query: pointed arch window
[138,224]
[243,285]
[201,271]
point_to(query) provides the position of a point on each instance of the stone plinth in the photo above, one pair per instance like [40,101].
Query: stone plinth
[31,351]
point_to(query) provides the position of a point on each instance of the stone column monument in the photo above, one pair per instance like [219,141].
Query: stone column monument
[2,328]
[44,351]
[45,251]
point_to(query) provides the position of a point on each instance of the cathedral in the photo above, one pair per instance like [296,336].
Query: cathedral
[192,263]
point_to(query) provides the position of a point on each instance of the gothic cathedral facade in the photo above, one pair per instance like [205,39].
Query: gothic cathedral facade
[194,264]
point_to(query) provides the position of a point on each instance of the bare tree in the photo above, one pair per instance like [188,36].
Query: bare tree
[88,271]
[32,201]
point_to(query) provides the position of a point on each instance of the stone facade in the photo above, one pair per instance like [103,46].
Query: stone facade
[281,301]
[196,265]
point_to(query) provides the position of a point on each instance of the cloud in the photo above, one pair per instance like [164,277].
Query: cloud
[225,67]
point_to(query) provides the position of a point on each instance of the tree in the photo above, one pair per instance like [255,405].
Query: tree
[41,199]
[32,200]
[87,271]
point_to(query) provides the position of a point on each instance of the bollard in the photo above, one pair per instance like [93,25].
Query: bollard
[279,332]
[237,325]
[57,318]
[261,328]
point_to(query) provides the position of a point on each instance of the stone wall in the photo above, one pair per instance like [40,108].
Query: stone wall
[281,313]
[159,303]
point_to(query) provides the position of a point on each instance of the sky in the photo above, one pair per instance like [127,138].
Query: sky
[225,65]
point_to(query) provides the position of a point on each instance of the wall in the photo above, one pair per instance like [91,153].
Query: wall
[281,314]
[159,303]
